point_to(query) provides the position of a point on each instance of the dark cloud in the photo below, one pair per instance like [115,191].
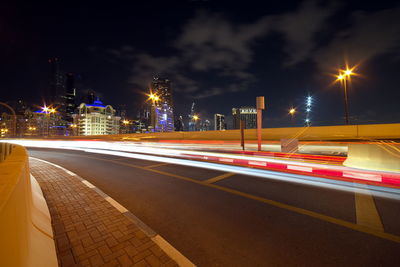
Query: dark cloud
[213,45]
[300,28]
[369,35]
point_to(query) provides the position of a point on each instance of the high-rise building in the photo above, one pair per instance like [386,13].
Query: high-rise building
[179,125]
[205,125]
[219,122]
[56,87]
[192,120]
[162,110]
[247,114]
[69,98]
[96,119]
[162,88]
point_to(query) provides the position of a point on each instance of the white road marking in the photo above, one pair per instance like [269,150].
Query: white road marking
[363,176]
[116,205]
[366,212]
[258,163]
[299,168]
[174,254]
[88,184]
[226,160]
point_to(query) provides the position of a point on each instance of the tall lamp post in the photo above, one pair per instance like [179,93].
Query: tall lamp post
[343,77]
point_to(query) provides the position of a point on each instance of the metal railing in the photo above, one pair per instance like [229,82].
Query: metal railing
[5,151]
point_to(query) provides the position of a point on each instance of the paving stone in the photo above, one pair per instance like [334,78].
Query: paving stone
[89,231]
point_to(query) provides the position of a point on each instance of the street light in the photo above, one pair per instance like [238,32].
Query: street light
[342,77]
[195,117]
[292,111]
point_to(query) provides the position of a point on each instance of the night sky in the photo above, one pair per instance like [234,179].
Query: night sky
[221,54]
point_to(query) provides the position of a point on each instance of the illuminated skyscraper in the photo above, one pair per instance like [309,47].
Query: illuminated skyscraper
[162,88]
[69,97]
[162,110]
[56,87]
[247,114]
[219,122]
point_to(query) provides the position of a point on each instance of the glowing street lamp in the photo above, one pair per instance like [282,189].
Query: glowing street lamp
[292,111]
[195,117]
[342,77]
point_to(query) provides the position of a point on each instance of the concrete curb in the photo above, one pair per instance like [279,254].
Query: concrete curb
[172,252]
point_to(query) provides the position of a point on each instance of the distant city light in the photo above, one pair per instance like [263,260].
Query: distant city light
[45,109]
[309,101]
[292,111]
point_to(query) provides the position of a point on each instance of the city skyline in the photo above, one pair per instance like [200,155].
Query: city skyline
[217,55]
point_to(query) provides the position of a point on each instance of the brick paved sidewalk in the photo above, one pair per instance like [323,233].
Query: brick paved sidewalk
[88,230]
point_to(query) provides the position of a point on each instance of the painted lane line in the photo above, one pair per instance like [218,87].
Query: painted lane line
[157,165]
[116,205]
[258,163]
[225,160]
[219,177]
[174,254]
[299,168]
[366,212]
[88,184]
[363,176]
[322,217]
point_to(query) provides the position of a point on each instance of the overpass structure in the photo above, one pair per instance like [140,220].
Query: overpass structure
[316,133]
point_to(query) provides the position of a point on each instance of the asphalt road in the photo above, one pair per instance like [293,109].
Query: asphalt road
[238,220]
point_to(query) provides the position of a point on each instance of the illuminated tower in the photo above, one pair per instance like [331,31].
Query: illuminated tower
[219,122]
[56,87]
[163,109]
[69,97]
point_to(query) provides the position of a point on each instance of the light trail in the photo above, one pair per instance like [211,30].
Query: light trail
[259,164]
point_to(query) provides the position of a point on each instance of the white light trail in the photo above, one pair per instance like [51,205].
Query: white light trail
[143,152]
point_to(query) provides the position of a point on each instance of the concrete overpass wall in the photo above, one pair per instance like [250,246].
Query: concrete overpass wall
[26,236]
[341,132]
[380,157]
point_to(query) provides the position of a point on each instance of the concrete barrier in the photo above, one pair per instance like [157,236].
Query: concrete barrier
[322,133]
[382,157]
[26,236]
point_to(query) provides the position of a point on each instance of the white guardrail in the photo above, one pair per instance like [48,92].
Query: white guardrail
[26,236]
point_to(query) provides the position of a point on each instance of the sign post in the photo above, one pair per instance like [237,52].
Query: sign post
[260,107]
[242,134]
